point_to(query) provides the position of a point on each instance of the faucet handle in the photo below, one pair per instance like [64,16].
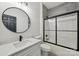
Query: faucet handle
[20,38]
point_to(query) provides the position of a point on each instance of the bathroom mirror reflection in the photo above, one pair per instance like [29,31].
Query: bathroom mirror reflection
[16,19]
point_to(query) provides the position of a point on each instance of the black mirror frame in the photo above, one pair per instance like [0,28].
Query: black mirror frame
[29,22]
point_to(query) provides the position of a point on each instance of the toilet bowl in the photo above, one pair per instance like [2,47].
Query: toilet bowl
[45,49]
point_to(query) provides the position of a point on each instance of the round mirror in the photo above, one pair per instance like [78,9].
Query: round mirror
[16,19]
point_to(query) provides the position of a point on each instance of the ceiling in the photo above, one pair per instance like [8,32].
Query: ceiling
[52,4]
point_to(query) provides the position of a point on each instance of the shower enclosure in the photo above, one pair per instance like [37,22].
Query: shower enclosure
[62,30]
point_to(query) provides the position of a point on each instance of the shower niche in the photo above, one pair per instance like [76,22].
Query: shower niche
[62,30]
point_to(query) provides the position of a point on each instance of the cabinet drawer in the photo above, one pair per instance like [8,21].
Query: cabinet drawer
[35,51]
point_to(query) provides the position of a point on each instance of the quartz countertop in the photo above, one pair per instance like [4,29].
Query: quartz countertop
[10,48]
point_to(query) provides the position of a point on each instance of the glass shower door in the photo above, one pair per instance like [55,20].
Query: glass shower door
[50,30]
[67,30]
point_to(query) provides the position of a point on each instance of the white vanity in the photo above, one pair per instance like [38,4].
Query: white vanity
[28,47]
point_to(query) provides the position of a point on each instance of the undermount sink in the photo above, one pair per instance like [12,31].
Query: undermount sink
[22,43]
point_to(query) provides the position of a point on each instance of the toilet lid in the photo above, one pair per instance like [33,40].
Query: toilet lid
[45,47]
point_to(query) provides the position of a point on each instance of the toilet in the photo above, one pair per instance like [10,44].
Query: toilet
[45,48]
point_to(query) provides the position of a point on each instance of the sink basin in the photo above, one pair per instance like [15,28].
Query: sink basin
[22,43]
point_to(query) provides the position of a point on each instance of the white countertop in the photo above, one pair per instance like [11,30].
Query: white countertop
[8,49]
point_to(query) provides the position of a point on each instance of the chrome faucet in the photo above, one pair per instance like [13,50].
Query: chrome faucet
[20,38]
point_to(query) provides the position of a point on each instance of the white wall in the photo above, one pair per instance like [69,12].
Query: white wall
[41,20]
[63,8]
[67,7]
[45,11]
[43,14]
[33,10]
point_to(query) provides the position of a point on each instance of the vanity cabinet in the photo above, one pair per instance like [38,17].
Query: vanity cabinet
[33,50]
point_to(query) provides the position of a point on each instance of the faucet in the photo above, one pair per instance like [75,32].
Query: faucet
[20,38]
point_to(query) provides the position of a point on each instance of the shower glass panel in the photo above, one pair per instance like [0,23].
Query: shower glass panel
[50,36]
[67,22]
[68,39]
[63,30]
[67,30]
[50,24]
[50,30]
